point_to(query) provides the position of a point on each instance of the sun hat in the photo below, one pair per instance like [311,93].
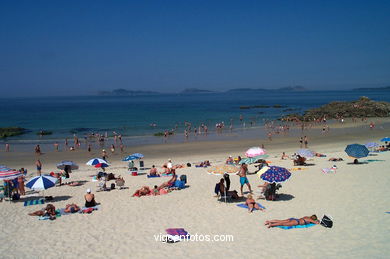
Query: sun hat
[88,190]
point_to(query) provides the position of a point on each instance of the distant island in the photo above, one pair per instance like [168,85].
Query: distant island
[386,88]
[195,91]
[124,92]
[361,108]
[297,88]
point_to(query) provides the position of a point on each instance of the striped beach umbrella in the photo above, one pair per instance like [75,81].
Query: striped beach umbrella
[372,145]
[10,174]
[274,174]
[251,160]
[95,161]
[357,150]
[255,151]
[101,165]
[306,153]
[42,182]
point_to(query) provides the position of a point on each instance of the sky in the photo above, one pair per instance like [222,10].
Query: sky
[52,48]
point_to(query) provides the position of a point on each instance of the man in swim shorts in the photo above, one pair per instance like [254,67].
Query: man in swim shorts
[243,179]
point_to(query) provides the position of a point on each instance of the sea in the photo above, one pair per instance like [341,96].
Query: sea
[138,118]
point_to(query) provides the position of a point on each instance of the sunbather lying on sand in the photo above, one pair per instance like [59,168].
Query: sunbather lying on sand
[250,202]
[170,182]
[292,221]
[71,208]
[49,210]
[143,191]
[334,159]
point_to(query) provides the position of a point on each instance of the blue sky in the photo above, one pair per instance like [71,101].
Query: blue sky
[81,47]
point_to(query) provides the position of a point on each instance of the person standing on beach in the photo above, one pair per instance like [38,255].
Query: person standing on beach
[38,150]
[56,146]
[7,147]
[301,141]
[66,142]
[38,163]
[89,148]
[306,141]
[243,179]
[104,155]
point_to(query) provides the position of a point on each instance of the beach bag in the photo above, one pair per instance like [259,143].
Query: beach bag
[326,222]
[216,189]
[183,178]
[16,196]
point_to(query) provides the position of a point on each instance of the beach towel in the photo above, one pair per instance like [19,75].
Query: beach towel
[176,234]
[58,214]
[90,209]
[152,176]
[34,202]
[298,169]
[297,226]
[328,170]
[243,205]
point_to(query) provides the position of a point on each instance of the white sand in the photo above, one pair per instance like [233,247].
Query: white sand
[356,197]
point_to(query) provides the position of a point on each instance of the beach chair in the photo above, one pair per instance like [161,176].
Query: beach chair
[220,196]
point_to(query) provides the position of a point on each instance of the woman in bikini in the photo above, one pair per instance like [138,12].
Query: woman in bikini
[145,190]
[250,202]
[293,221]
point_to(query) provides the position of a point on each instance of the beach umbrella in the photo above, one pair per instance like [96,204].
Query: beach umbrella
[9,174]
[251,160]
[306,153]
[372,145]
[385,139]
[42,182]
[101,165]
[274,174]
[357,150]
[255,151]
[130,158]
[95,161]
[138,155]
[221,169]
[3,169]
[73,166]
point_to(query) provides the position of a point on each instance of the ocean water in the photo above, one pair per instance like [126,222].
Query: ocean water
[132,116]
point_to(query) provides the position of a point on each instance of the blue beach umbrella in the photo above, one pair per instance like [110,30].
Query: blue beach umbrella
[306,153]
[357,150]
[42,182]
[274,174]
[385,139]
[138,155]
[129,158]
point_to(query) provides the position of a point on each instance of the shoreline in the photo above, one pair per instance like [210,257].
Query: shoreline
[341,133]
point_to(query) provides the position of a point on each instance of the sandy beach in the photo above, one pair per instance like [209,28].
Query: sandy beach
[126,227]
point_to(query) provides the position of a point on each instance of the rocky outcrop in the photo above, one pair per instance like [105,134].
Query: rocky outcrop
[361,108]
